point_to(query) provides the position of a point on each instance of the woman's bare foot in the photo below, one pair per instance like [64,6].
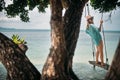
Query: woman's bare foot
[102,64]
[96,62]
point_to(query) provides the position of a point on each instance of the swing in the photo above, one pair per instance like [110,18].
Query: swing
[106,65]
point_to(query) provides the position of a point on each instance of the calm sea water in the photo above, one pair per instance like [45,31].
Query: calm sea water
[38,42]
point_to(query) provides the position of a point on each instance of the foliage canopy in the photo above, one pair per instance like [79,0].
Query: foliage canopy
[21,8]
[105,5]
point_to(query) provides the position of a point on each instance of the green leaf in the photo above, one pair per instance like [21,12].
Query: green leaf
[17,40]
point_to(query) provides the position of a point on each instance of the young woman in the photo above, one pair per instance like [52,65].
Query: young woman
[94,33]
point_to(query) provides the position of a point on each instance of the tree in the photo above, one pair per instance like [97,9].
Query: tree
[64,41]
[54,66]
[114,71]
[72,19]
[15,61]
[64,30]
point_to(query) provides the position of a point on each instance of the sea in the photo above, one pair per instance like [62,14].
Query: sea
[39,41]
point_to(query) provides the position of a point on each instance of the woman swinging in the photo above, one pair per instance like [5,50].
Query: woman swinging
[94,33]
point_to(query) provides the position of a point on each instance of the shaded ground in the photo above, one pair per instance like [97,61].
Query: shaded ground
[83,71]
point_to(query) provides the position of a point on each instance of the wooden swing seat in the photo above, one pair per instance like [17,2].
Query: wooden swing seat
[105,66]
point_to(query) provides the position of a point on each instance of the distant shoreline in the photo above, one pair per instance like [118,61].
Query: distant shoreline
[13,29]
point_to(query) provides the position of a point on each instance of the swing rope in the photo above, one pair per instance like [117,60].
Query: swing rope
[88,9]
[93,48]
[104,40]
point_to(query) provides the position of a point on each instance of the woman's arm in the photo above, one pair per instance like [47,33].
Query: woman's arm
[87,26]
[100,27]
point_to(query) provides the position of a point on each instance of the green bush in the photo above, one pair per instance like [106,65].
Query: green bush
[17,40]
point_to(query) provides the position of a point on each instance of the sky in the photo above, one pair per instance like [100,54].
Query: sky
[41,20]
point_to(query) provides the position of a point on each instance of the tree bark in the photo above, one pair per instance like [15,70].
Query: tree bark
[15,61]
[54,66]
[72,19]
[114,71]
[63,47]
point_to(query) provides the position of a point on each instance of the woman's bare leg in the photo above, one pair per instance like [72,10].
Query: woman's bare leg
[97,54]
[101,53]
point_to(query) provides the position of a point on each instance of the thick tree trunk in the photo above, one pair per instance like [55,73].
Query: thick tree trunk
[72,19]
[54,66]
[58,52]
[114,71]
[15,61]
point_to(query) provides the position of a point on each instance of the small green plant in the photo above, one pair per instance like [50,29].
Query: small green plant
[17,40]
